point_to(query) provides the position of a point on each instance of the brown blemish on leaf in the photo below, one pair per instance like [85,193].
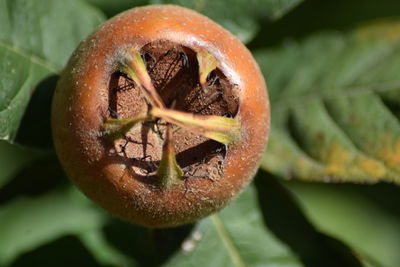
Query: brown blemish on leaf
[383,29]
[390,152]
[337,159]
[371,167]
[320,138]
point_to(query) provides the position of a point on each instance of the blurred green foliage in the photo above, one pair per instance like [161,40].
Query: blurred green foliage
[304,48]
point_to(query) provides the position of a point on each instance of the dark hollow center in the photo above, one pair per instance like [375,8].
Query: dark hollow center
[174,72]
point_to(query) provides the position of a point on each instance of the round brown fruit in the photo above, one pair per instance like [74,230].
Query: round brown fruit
[161,116]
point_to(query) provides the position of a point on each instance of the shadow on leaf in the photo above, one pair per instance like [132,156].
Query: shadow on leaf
[285,219]
[66,251]
[35,128]
[385,195]
[149,247]
[40,176]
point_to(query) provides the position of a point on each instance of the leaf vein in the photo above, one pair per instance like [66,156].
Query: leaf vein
[35,59]
[227,240]
[24,84]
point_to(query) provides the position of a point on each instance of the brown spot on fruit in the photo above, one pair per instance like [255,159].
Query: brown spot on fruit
[109,123]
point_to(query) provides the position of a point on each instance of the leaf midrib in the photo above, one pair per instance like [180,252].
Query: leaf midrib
[33,58]
[227,240]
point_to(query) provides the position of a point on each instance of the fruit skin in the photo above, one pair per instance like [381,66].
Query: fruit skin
[81,98]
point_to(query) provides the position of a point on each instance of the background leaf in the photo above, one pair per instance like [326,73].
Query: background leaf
[240,17]
[13,159]
[104,253]
[26,223]
[64,252]
[225,239]
[111,8]
[234,237]
[36,40]
[285,218]
[365,217]
[313,16]
[335,101]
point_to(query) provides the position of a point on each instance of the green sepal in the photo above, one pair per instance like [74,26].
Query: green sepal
[169,172]
[221,129]
[132,64]
[116,128]
[207,63]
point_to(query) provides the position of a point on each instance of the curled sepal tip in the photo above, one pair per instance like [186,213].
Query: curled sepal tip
[169,172]
[207,63]
[131,63]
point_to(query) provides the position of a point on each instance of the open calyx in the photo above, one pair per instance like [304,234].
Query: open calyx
[173,105]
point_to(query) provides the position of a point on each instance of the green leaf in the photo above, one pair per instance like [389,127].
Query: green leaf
[27,223]
[335,101]
[36,40]
[365,217]
[234,237]
[64,252]
[102,250]
[111,8]
[284,216]
[13,158]
[240,16]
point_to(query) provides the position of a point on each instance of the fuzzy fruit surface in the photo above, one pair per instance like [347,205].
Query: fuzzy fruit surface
[160,116]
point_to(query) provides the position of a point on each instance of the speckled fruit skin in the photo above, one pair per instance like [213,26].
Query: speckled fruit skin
[81,100]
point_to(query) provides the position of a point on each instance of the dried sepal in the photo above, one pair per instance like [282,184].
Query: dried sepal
[207,63]
[221,129]
[131,63]
[169,172]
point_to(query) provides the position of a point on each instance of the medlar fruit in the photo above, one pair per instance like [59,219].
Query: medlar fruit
[160,116]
